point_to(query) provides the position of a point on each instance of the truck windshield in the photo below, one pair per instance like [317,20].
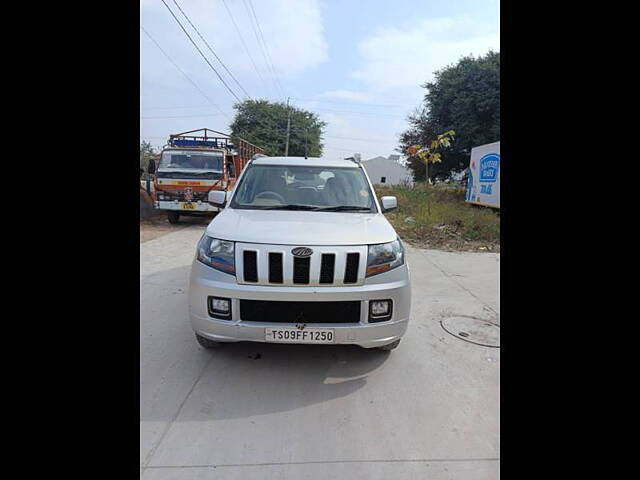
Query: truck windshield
[286,187]
[186,160]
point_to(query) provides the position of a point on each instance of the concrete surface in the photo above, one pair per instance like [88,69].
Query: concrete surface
[429,409]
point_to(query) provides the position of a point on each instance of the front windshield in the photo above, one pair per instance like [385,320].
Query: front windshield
[286,187]
[186,160]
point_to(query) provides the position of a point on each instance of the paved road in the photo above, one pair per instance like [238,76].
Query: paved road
[429,409]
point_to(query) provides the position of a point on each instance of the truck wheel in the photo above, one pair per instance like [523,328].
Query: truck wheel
[391,346]
[206,343]
[174,217]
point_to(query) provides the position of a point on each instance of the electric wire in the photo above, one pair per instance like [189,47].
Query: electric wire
[262,49]
[244,45]
[266,47]
[211,49]
[182,72]
[200,52]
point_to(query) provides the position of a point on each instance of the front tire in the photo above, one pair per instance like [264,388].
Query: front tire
[390,346]
[173,217]
[207,343]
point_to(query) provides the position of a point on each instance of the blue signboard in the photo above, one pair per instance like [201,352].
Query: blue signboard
[483,187]
[489,166]
[181,142]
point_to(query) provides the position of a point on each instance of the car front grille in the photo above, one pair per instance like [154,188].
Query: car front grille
[301,270]
[351,272]
[276,265]
[327,267]
[300,312]
[250,266]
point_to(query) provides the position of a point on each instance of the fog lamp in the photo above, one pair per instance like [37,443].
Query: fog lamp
[220,307]
[380,310]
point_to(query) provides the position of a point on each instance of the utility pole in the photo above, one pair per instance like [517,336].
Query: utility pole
[286,146]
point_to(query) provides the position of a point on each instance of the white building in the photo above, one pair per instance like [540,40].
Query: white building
[387,171]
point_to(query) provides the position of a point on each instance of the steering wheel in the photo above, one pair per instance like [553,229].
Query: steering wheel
[270,194]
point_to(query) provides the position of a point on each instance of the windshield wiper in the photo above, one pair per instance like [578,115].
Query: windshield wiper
[344,208]
[290,207]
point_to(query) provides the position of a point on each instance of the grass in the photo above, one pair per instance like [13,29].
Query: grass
[438,217]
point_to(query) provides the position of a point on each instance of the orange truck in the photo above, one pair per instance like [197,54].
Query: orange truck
[192,164]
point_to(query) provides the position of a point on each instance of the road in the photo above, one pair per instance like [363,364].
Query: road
[429,409]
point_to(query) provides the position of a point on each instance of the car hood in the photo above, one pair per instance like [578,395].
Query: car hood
[301,228]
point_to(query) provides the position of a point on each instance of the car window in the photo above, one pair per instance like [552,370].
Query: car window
[273,185]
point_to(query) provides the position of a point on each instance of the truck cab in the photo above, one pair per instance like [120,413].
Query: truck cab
[192,165]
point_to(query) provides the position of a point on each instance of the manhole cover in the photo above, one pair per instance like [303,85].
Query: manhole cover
[473,330]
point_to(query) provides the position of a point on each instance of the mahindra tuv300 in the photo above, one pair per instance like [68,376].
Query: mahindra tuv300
[300,253]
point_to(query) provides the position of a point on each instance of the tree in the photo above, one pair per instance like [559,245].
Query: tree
[464,97]
[430,154]
[264,124]
[146,153]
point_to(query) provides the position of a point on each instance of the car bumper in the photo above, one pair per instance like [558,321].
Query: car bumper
[181,206]
[393,285]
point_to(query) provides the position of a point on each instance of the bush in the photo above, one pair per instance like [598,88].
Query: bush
[439,216]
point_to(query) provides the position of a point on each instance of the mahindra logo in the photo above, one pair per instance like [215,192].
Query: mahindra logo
[301,252]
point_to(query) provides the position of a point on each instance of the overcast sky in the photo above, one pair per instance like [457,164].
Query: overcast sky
[358,64]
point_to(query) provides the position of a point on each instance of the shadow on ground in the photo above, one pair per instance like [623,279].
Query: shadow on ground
[237,380]
[248,379]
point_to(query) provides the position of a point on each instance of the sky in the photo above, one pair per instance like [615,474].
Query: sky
[358,64]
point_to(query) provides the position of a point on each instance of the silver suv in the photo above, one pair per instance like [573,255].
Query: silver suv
[301,253]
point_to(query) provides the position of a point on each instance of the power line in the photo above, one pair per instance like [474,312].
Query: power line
[182,72]
[185,116]
[171,108]
[255,67]
[266,48]
[355,103]
[262,47]
[360,113]
[211,49]
[200,52]
[360,139]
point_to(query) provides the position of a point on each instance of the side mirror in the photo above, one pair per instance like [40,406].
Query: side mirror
[217,198]
[389,203]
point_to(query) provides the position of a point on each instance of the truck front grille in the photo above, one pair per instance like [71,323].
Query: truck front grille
[299,312]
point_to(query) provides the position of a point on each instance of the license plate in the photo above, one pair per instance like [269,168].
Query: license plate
[295,335]
[188,206]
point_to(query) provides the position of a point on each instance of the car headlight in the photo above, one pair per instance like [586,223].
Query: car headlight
[384,257]
[218,254]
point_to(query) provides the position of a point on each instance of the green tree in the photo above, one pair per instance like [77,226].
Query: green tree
[433,152]
[264,124]
[146,153]
[464,97]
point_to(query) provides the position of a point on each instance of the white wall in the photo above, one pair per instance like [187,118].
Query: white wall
[394,172]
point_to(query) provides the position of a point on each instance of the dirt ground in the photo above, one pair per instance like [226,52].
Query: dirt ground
[449,244]
[158,225]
